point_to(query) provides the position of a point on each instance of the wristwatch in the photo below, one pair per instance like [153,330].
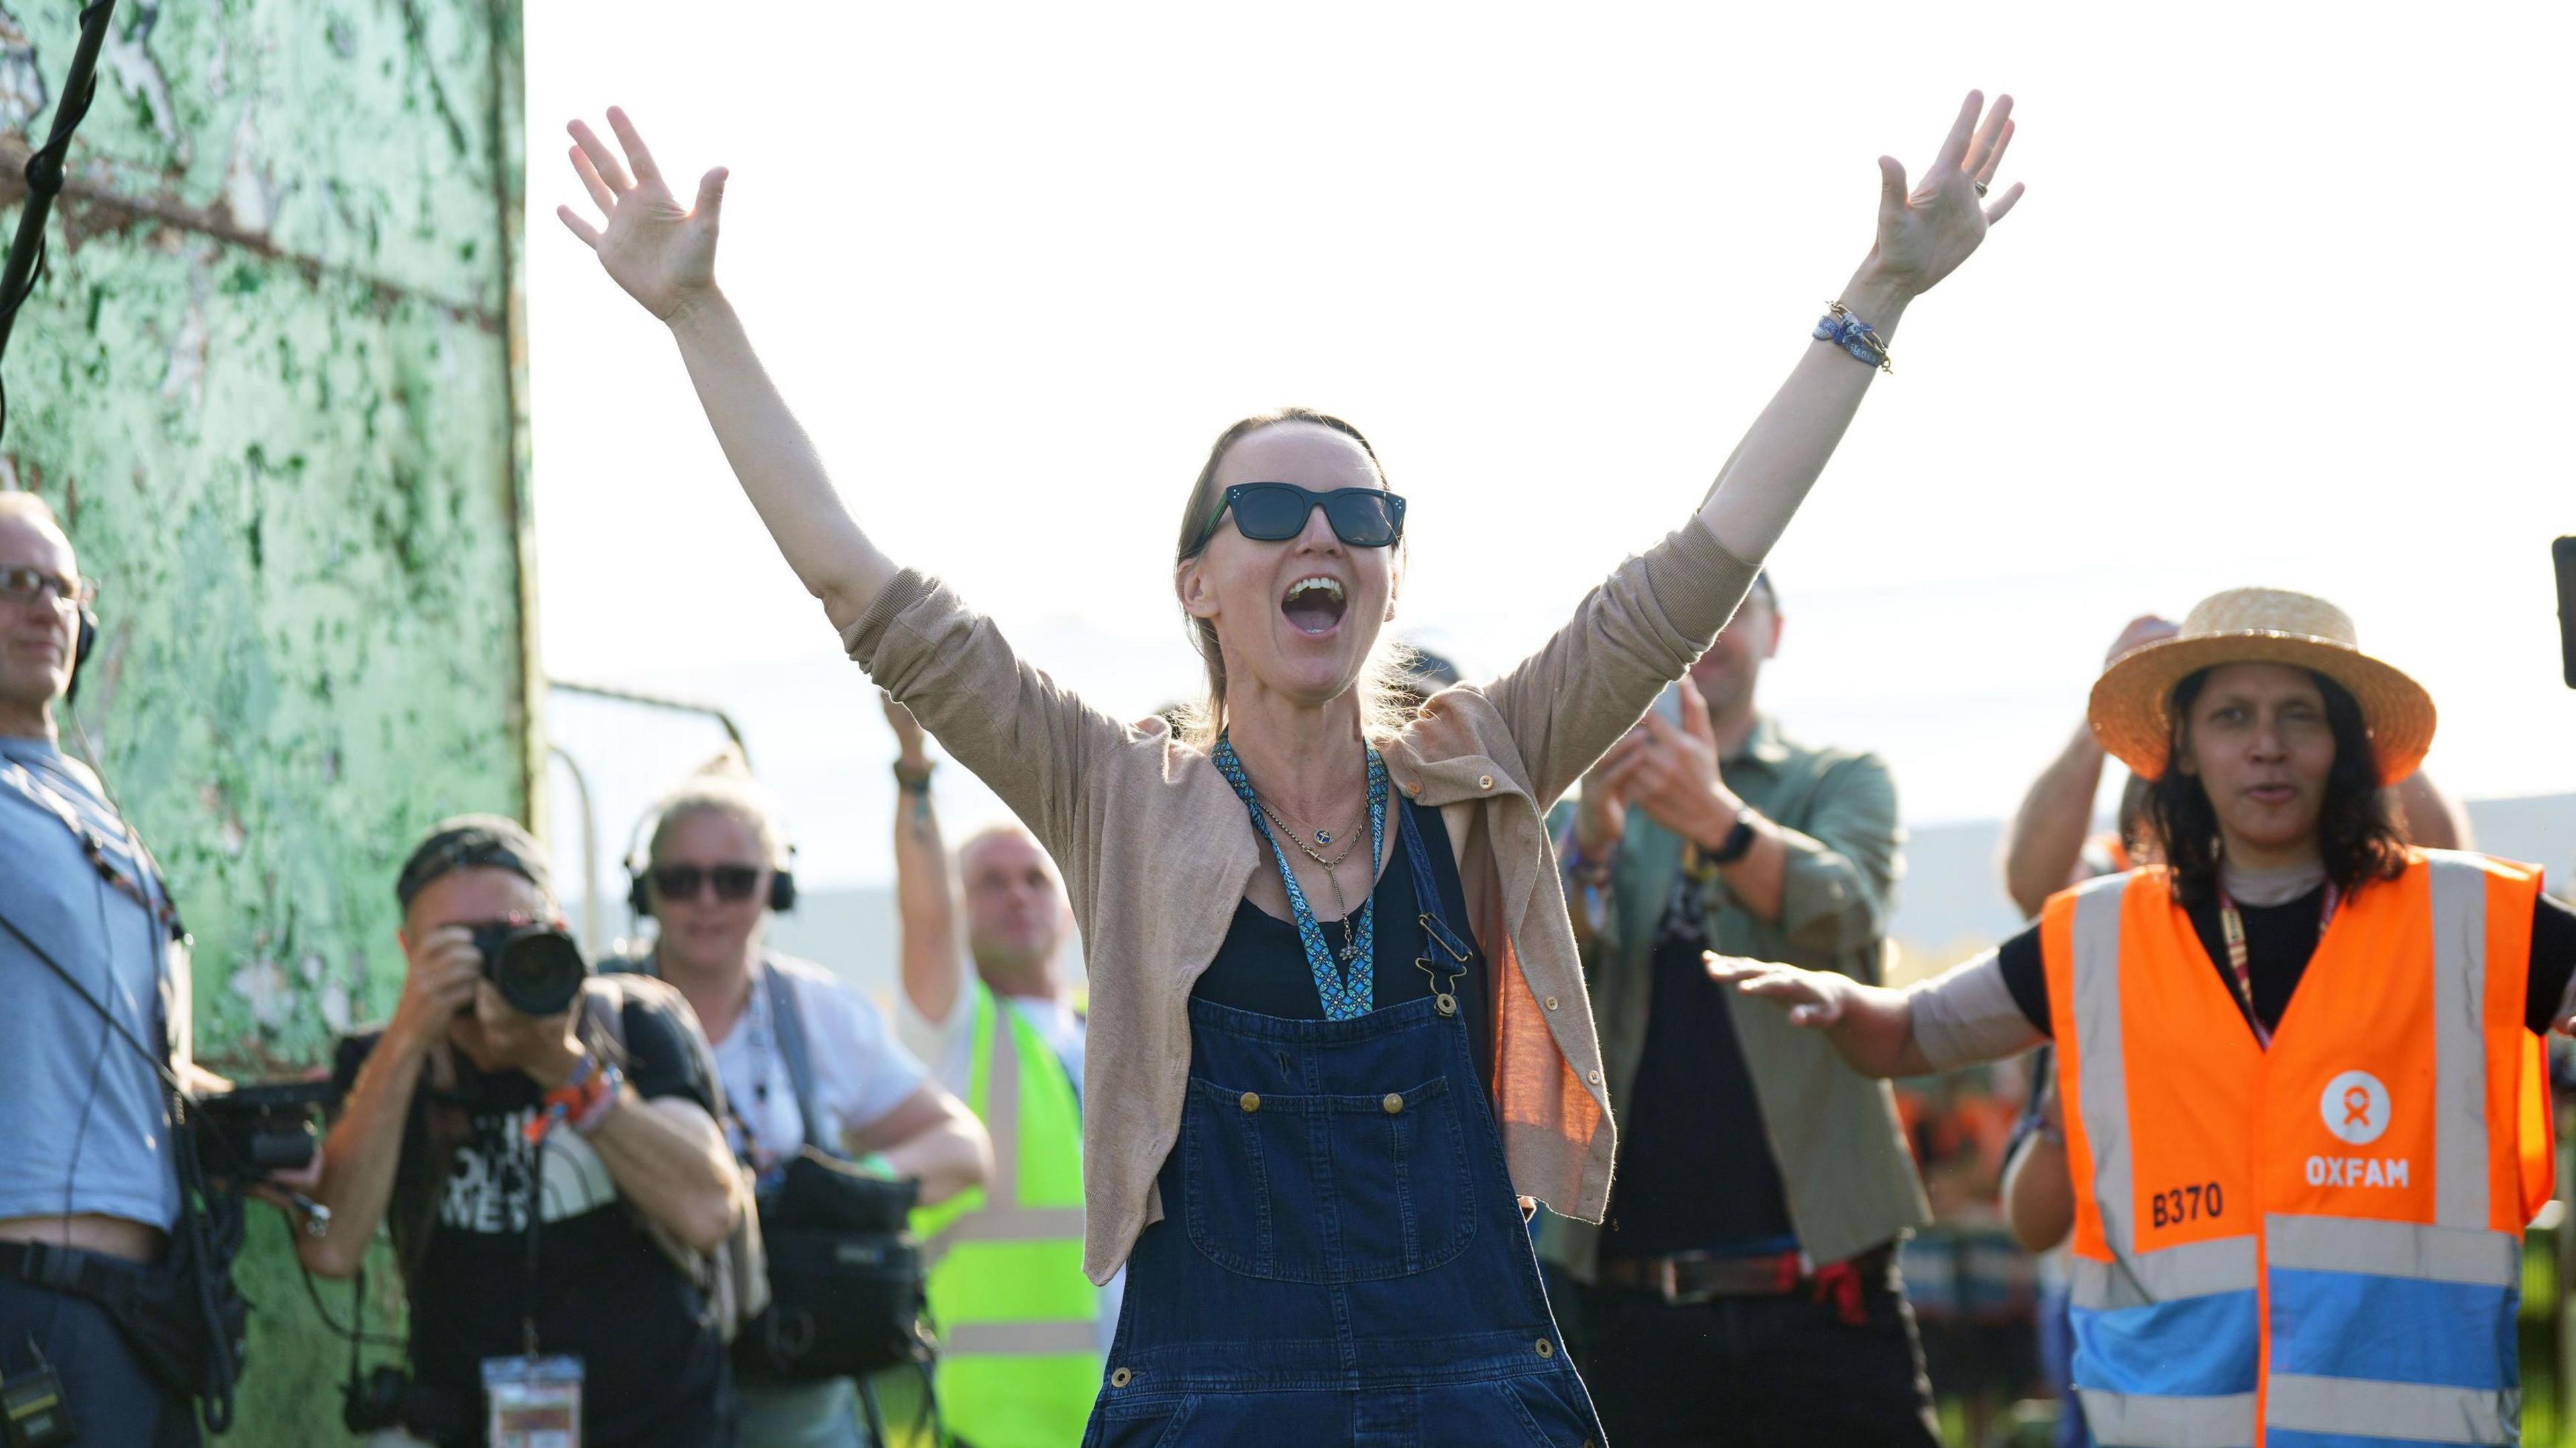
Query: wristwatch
[1738,841]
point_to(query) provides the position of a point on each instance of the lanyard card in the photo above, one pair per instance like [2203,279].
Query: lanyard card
[535,1402]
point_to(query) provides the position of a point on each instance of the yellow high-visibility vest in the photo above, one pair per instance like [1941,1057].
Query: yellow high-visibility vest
[1019,1346]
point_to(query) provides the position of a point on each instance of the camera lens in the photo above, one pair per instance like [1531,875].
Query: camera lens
[537,969]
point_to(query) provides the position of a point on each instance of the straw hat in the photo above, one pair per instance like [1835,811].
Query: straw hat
[2130,712]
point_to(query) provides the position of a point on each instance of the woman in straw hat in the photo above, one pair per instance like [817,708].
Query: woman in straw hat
[2304,1105]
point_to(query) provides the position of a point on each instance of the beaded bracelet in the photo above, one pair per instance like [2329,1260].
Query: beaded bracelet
[603,1100]
[575,1096]
[1853,335]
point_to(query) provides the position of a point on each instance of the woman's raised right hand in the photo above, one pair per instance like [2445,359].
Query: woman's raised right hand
[663,255]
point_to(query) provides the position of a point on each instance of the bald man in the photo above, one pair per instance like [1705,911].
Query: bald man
[91,1193]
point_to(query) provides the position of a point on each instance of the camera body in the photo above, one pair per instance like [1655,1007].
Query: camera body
[376,1401]
[252,1131]
[534,964]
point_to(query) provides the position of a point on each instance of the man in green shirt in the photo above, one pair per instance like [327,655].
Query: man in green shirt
[1742,1288]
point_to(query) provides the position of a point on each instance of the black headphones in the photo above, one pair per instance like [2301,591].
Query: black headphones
[639,874]
[82,645]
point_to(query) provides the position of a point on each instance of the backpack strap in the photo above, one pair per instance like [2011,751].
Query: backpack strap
[787,1019]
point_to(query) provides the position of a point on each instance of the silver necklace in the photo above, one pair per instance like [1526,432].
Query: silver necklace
[1350,947]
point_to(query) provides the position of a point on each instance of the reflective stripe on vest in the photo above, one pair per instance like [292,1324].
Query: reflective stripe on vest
[1020,1347]
[2297,1246]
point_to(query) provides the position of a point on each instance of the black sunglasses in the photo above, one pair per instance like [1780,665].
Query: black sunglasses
[1275,512]
[734,883]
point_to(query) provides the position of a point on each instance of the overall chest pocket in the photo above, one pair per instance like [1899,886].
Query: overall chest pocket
[1326,1188]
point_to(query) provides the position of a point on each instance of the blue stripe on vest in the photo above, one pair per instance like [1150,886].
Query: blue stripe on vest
[2286,1438]
[2393,1329]
[2189,1348]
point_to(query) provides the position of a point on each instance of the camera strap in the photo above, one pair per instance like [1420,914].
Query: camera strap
[131,884]
[17,776]
[536,1212]
[787,1024]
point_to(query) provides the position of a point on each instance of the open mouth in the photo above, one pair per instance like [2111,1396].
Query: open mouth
[1313,605]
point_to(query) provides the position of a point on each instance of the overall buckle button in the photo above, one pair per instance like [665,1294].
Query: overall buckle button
[1251,1101]
[1121,1378]
[1394,1103]
[1546,1348]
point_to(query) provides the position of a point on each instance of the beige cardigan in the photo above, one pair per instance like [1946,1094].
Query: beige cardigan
[1156,851]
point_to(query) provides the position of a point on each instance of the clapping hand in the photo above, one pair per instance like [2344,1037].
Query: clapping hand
[2145,629]
[911,750]
[1668,770]
[664,255]
[1924,234]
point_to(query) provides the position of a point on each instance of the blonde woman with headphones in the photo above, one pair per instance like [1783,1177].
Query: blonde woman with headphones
[714,867]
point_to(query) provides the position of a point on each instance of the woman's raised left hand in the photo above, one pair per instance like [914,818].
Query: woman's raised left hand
[1924,233]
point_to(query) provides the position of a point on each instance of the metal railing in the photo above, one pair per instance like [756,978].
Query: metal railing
[590,932]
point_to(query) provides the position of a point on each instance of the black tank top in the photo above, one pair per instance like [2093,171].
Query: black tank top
[1262,965]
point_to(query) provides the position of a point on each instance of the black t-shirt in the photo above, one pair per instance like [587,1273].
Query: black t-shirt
[654,1366]
[2278,941]
[1262,965]
[1696,1173]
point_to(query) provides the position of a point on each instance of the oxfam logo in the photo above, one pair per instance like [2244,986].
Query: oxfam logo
[2355,1106]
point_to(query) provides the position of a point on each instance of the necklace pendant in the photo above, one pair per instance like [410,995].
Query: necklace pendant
[1349,952]
[1323,837]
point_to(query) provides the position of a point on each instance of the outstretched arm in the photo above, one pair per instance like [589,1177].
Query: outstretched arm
[1871,1027]
[2045,840]
[932,960]
[664,255]
[1923,236]
[1566,703]
[1025,735]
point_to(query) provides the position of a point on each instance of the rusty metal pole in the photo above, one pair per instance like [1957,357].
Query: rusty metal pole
[45,168]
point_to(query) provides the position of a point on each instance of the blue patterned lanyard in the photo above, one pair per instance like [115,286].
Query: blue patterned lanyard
[1348,991]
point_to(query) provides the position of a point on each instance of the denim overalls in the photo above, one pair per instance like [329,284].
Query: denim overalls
[1342,1257]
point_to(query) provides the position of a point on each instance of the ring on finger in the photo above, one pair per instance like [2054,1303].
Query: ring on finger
[1981,188]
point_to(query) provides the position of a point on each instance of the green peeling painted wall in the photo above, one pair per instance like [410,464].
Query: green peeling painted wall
[272,382]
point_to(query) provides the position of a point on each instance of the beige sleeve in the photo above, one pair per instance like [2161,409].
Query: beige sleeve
[1030,739]
[1639,630]
[1966,1015]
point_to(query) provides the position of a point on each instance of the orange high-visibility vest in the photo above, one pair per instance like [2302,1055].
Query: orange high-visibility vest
[2317,1245]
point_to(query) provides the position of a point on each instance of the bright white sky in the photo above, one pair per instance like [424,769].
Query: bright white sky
[2282,306]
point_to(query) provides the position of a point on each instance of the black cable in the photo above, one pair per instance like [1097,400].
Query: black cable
[160,1066]
[198,1203]
[98,1060]
[44,175]
[356,1332]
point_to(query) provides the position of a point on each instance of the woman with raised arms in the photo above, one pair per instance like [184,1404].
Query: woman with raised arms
[1326,1083]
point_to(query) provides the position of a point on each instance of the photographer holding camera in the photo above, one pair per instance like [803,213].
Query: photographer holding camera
[553,1177]
[116,1304]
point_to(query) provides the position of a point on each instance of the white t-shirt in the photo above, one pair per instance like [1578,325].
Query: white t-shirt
[949,1045]
[860,1073]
